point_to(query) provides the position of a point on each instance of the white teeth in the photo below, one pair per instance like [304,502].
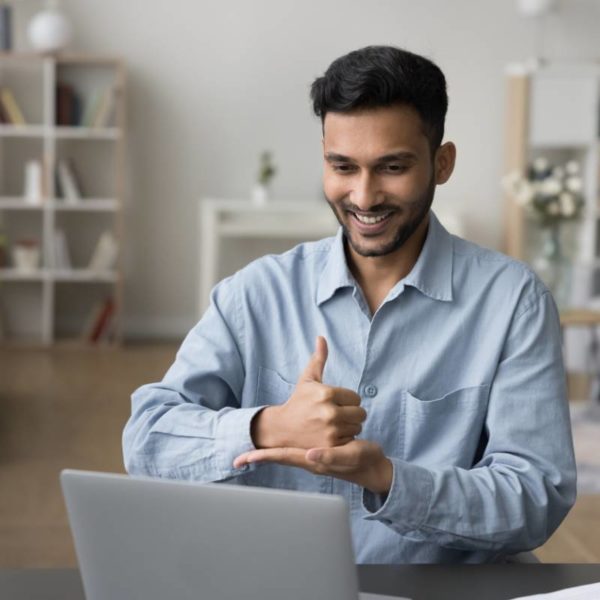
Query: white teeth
[371,220]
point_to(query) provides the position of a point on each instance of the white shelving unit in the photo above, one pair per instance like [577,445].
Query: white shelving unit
[50,304]
[554,111]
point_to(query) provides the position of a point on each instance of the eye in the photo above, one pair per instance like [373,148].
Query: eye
[394,168]
[343,168]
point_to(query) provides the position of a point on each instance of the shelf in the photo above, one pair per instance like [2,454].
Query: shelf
[86,205]
[85,133]
[72,275]
[18,203]
[22,131]
[18,275]
[84,276]
[60,205]
[60,132]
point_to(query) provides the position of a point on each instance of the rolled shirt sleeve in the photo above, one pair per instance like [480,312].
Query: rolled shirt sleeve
[190,425]
[523,485]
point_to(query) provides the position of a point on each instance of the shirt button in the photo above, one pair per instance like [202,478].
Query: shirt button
[371,390]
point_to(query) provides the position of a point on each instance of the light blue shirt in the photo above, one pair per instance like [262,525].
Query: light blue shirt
[460,371]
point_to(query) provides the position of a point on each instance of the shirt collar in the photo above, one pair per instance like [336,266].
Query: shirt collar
[431,275]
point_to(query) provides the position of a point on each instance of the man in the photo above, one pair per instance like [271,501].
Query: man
[414,373]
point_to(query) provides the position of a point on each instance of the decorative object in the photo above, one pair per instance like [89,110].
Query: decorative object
[49,30]
[535,8]
[552,195]
[26,255]
[5,27]
[33,182]
[266,172]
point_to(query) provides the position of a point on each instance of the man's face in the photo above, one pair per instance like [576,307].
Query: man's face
[378,176]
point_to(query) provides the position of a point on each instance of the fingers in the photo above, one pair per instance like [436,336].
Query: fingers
[345,397]
[316,365]
[294,457]
[350,454]
[351,414]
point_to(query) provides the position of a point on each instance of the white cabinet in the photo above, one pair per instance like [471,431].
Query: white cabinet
[56,299]
[255,230]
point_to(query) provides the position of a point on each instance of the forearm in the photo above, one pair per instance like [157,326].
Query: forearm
[168,436]
[502,507]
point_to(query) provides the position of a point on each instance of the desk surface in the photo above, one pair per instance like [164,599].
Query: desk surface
[418,582]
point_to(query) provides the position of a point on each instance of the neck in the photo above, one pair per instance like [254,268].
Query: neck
[377,275]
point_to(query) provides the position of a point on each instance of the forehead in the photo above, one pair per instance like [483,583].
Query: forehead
[372,132]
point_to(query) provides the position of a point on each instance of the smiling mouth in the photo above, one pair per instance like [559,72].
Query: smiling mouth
[371,220]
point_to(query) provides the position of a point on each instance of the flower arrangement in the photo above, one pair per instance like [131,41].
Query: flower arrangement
[553,193]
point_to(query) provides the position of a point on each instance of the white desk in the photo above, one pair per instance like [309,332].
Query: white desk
[225,219]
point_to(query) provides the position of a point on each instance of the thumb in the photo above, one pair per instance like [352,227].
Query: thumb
[316,365]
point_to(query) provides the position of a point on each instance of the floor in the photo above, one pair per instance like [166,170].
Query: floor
[67,408]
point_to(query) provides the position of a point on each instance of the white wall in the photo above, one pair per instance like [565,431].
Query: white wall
[213,83]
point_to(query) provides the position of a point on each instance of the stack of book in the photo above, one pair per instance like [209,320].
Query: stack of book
[10,111]
[97,112]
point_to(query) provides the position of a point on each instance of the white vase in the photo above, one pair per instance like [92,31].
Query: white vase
[260,194]
[49,30]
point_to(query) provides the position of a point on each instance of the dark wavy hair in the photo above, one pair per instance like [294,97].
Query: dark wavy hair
[378,76]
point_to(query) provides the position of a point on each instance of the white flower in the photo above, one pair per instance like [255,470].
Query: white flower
[524,193]
[572,167]
[540,164]
[553,208]
[567,204]
[550,187]
[574,184]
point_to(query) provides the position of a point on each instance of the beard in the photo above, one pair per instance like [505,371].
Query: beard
[417,210]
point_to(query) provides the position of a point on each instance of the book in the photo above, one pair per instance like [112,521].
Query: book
[65,104]
[91,109]
[105,108]
[4,116]
[69,186]
[62,257]
[9,103]
[99,323]
[105,254]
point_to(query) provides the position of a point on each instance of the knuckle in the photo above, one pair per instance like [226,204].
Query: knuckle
[327,394]
[329,414]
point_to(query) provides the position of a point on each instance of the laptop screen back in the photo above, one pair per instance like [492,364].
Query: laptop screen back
[151,539]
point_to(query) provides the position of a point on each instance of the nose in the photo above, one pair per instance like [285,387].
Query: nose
[364,194]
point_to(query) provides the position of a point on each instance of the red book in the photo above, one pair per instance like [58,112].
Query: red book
[103,320]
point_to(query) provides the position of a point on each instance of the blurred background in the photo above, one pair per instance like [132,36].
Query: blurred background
[147,149]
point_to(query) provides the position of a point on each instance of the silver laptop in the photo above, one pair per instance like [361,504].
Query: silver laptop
[151,539]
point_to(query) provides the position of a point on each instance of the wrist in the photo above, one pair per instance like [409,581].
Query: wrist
[263,428]
[384,475]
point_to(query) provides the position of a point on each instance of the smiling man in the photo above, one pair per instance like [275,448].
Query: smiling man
[434,396]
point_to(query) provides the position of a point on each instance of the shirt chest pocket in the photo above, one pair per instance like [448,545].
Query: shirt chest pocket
[271,388]
[444,431]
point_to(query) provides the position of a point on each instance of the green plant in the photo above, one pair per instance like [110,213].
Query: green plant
[267,169]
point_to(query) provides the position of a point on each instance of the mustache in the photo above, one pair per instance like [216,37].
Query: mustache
[379,208]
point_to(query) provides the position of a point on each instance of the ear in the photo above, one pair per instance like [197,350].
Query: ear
[445,158]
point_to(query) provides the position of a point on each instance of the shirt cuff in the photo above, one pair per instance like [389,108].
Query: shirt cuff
[233,438]
[408,502]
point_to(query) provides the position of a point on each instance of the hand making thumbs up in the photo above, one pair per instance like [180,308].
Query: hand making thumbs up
[315,415]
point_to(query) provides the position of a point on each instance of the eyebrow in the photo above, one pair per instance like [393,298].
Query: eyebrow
[403,155]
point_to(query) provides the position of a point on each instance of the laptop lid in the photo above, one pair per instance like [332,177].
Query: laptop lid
[151,539]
